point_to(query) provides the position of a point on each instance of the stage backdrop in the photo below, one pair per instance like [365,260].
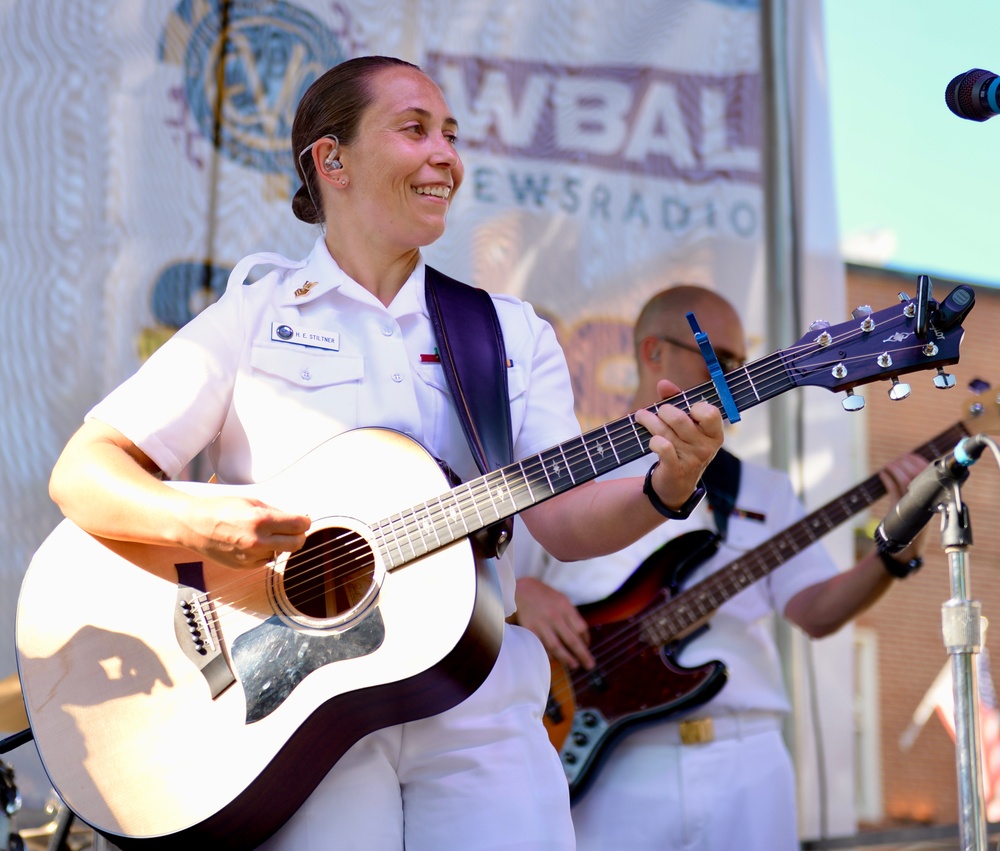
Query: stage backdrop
[611,150]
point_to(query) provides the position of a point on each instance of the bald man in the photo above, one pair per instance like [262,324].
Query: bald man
[692,783]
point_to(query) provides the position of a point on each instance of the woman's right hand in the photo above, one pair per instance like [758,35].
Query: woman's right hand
[109,487]
[242,533]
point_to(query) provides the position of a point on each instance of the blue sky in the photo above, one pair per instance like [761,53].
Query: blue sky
[918,188]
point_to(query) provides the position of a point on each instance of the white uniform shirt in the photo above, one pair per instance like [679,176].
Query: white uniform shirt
[228,380]
[741,632]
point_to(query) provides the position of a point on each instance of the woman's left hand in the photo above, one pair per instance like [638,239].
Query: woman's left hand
[684,444]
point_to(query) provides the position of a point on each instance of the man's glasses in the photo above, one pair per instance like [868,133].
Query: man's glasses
[727,360]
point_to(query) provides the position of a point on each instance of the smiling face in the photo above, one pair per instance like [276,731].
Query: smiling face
[402,166]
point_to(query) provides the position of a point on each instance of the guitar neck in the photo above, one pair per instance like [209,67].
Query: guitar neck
[676,618]
[515,487]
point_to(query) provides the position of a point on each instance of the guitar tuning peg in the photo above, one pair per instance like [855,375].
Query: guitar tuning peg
[819,325]
[862,311]
[943,380]
[898,391]
[853,402]
[902,296]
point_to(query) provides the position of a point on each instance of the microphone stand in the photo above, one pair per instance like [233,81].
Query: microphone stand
[962,632]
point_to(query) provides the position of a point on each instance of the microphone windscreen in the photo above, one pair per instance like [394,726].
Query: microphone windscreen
[961,95]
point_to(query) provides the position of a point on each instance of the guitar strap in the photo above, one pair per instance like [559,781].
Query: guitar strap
[722,482]
[474,360]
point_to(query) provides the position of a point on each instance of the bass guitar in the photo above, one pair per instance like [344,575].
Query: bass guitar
[636,632]
[175,701]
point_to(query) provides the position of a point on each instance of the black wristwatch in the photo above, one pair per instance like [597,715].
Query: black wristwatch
[682,513]
[900,569]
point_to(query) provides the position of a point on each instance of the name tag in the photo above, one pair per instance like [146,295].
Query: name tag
[284,333]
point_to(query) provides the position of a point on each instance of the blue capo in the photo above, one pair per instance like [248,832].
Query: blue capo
[715,370]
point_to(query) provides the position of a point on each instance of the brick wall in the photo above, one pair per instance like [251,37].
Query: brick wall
[920,784]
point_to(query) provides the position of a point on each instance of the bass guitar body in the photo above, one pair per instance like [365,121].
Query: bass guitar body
[636,678]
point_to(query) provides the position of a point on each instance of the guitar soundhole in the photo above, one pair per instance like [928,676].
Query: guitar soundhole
[330,575]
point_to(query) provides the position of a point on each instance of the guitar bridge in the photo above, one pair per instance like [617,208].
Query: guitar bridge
[196,629]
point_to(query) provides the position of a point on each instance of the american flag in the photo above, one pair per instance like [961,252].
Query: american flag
[940,699]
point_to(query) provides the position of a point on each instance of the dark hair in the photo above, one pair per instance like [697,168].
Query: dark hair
[333,104]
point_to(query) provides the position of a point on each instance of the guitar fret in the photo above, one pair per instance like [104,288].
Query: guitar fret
[502,496]
[391,524]
[393,545]
[471,497]
[532,499]
[614,461]
[545,472]
[600,461]
[485,507]
[453,515]
[425,523]
[381,544]
[409,520]
[638,437]
[581,465]
[556,472]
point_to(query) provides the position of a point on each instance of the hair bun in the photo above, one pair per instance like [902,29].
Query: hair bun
[304,208]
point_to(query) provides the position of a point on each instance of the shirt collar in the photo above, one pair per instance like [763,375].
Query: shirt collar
[321,274]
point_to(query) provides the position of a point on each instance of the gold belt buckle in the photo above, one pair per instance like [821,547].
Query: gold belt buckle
[697,731]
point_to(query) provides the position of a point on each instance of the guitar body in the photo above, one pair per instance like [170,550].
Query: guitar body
[166,716]
[636,680]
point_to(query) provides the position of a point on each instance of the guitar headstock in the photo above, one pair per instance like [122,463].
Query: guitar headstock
[915,335]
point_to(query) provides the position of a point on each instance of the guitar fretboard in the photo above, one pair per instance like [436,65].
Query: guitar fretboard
[515,487]
[689,609]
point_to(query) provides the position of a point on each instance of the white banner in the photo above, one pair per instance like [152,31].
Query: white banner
[611,150]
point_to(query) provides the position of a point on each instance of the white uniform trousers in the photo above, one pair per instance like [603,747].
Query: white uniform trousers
[654,793]
[482,776]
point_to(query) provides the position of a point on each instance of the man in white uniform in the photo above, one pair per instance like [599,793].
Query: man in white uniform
[727,782]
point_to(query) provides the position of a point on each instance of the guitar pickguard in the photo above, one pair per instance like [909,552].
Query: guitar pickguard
[273,658]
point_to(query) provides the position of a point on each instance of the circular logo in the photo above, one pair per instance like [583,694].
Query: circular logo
[284,331]
[184,289]
[243,88]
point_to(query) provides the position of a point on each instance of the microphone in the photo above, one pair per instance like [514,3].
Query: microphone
[925,493]
[973,95]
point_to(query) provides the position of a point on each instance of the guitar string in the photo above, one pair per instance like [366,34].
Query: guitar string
[740,380]
[626,424]
[472,494]
[324,585]
[674,618]
[435,513]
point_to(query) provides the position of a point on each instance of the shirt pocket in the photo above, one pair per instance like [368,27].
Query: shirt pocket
[316,386]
